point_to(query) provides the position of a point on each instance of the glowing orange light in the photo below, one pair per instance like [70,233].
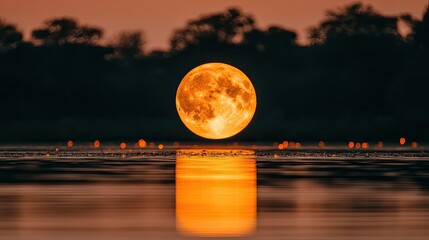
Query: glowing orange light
[321,144]
[351,144]
[123,145]
[97,144]
[215,196]
[298,145]
[357,145]
[160,146]
[56,149]
[285,144]
[280,146]
[402,141]
[216,100]
[142,143]
[151,144]
[69,143]
[365,145]
[414,145]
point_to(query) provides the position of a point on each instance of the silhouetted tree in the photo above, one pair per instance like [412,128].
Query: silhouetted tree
[60,31]
[128,45]
[358,84]
[228,27]
[353,20]
[419,28]
[9,35]
[274,38]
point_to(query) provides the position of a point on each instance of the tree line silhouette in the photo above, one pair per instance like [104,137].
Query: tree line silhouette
[358,78]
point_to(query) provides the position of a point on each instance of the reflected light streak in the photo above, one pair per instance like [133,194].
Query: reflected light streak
[215,193]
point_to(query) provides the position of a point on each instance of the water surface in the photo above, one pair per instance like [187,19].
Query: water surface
[241,192]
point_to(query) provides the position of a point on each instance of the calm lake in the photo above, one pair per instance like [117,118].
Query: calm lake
[192,192]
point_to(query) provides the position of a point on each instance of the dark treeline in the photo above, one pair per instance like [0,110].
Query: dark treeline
[358,78]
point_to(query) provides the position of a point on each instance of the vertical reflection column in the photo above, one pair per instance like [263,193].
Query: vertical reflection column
[215,192]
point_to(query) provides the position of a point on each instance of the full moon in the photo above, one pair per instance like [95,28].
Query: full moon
[216,100]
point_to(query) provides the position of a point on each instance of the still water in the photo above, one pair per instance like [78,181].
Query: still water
[248,193]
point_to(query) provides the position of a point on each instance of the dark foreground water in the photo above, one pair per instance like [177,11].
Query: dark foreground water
[242,192]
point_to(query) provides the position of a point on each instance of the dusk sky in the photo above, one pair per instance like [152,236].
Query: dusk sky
[157,19]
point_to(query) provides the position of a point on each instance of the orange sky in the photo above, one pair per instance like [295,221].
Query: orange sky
[158,18]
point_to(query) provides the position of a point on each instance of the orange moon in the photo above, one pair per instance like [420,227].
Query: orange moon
[216,100]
